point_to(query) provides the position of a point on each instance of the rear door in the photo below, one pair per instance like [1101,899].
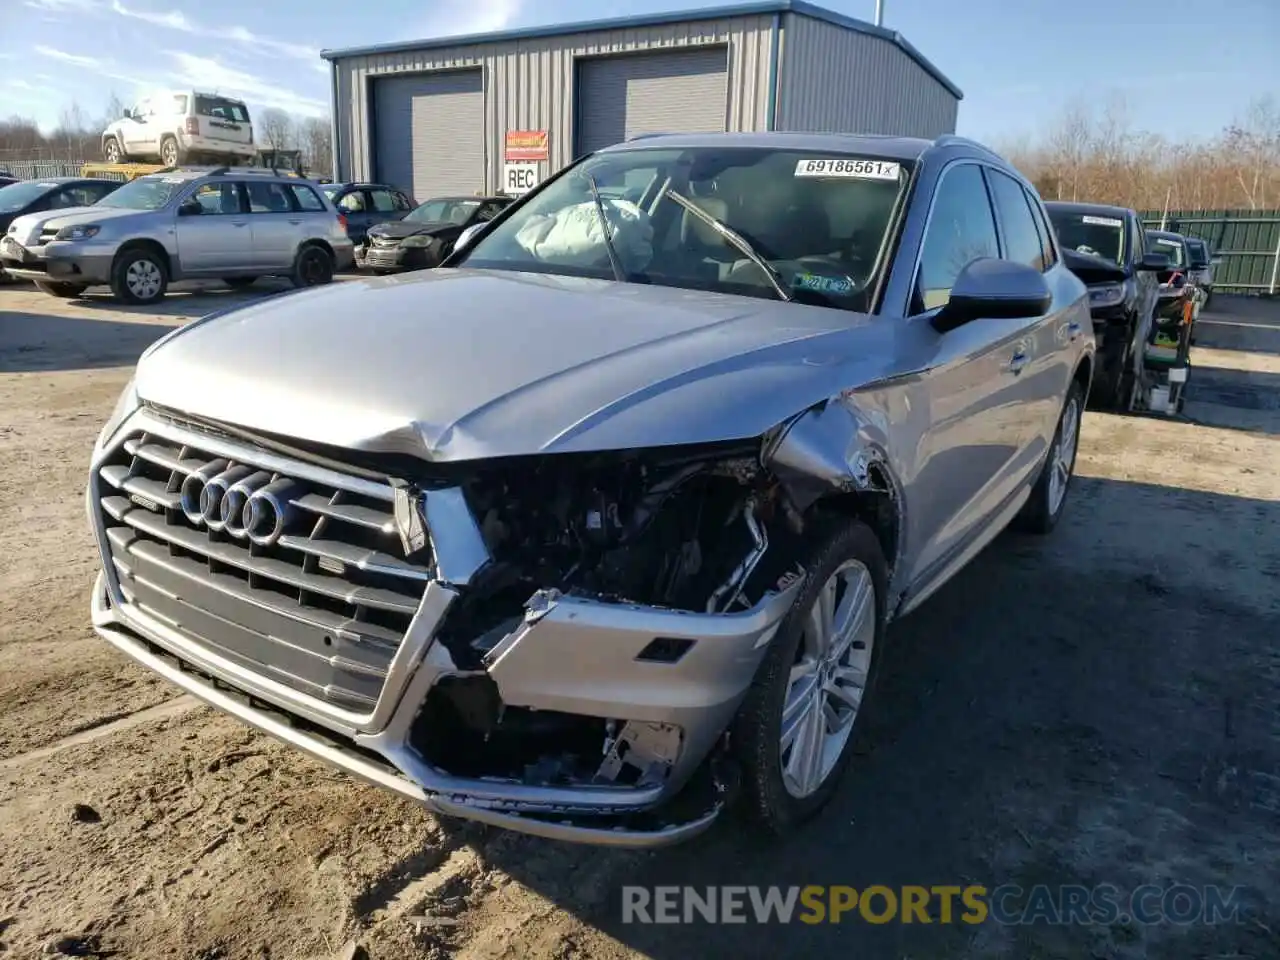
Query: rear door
[356,206]
[134,129]
[276,221]
[220,118]
[218,238]
[1037,392]
[385,206]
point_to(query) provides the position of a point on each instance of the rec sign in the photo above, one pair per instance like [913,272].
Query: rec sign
[518,178]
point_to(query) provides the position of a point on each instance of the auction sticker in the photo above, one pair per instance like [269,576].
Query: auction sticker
[1103,221]
[855,169]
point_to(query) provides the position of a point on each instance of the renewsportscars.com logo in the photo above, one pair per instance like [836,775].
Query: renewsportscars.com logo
[1069,904]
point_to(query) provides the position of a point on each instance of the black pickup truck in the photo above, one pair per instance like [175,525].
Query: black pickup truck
[1106,247]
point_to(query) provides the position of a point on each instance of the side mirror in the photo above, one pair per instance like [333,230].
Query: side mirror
[467,236]
[1154,262]
[190,208]
[997,290]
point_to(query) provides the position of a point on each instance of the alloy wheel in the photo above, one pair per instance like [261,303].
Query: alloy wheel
[1063,458]
[143,279]
[826,684]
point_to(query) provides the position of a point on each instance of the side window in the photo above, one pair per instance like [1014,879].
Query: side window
[180,104]
[352,202]
[306,198]
[218,198]
[1042,228]
[961,229]
[269,198]
[97,191]
[383,202]
[488,211]
[140,109]
[1021,239]
[1137,240]
[401,201]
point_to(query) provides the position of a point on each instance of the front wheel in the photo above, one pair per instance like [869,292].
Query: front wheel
[1043,509]
[313,266]
[139,276]
[795,731]
[64,291]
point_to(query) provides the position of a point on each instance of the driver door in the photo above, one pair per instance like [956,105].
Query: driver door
[134,129]
[973,427]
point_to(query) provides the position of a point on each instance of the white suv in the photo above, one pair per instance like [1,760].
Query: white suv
[182,126]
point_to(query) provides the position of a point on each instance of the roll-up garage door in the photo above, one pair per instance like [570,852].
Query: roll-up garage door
[678,91]
[429,132]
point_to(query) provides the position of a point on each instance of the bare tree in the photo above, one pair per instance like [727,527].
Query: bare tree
[315,137]
[276,128]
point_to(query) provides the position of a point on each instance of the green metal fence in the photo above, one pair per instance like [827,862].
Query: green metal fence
[1246,241]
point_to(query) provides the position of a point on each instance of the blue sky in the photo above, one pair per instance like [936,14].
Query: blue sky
[1184,67]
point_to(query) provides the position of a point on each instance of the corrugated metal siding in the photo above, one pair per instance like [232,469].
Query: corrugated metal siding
[671,91]
[527,82]
[833,80]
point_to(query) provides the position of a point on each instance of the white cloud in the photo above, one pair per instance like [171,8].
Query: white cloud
[59,6]
[173,19]
[452,17]
[207,74]
[17,83]
[75,59]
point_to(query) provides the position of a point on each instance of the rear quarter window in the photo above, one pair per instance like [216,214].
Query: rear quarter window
[307,198]
[220,108]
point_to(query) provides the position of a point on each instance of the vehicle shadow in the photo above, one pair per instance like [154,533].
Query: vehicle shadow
[1054,715]
[1245,324]
[31,342]
[186,300]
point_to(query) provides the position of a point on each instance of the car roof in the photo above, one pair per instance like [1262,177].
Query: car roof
[1089,209]
[891,148]
[61,181]
[462,197]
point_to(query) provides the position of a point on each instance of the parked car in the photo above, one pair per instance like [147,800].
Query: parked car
[182,126]
[5,180]
[428,233]
[1176,288]
[367,204]
[590,532]
[59,194]
[1201,265]
[1105,247]
[229,223]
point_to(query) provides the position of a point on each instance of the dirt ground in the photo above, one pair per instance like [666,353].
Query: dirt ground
[1099,707]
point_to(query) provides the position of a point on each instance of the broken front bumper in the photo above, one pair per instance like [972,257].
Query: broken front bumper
[570,655]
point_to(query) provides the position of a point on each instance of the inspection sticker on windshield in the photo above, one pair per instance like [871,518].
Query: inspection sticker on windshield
[836,286]
[1167,243]
[1103,221]
[857,169]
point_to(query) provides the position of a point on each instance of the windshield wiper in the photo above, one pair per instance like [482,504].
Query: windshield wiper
[736,239]
[619,273]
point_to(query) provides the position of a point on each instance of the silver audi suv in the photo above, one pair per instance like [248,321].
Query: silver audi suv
[597,529]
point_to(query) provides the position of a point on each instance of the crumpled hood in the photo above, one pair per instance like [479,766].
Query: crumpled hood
[457,364]
[399,229]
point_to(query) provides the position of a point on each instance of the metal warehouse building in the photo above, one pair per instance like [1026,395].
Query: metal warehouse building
[444,116]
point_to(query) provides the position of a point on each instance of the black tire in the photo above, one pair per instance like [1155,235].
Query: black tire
[239,283]
[1040,514]
[755,735]
[170,154]
[312,267]
[63,291]
[113,151]
[139,276]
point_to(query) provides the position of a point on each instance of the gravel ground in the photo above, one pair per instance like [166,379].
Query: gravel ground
[1097,707]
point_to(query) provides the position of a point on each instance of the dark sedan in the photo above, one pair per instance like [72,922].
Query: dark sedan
[427,234]
[53,193]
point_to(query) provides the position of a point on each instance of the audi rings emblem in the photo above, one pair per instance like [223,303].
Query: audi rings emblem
[240,501]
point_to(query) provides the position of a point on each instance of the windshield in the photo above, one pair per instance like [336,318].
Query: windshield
[17,195]
[220,108]
[1099,236]
[443,211]
[145,193]
[1173,249]
[816,222]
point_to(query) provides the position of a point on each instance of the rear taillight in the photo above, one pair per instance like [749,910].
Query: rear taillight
[343,220]
[193,125]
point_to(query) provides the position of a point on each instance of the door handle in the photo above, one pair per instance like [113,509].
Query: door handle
[1018,361]
[239,223]
[295,221]
[1073,329]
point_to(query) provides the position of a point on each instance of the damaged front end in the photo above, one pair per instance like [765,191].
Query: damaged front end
[589,626]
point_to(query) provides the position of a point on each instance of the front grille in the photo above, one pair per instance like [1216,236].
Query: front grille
[319,601]
[384,257]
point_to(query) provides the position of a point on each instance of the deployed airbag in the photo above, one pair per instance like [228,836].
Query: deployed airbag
[575,234]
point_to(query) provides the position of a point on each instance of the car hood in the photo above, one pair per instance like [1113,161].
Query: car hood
[29,226]
[458,364]
[1093,269]
[399,229]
